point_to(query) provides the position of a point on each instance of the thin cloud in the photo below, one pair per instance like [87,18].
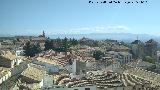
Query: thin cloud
[99,29]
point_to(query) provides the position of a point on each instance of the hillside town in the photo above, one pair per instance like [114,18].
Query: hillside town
[42,63]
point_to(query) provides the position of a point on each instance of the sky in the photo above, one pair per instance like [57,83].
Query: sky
[24,17]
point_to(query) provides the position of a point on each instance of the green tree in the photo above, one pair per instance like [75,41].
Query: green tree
[26,48]
[151,47]
[48,44]
[31,49]
[149,59]
[37,48]
[73,42]
[60,45]
[98,54]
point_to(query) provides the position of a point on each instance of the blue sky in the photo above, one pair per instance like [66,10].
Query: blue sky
[78,16]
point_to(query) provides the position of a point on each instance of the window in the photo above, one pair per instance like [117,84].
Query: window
[87,88]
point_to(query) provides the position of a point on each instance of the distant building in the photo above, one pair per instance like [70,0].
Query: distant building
[6,44]
[124,57]
[21,40]
[76,67]
[40,39]
[112,54]
[43,35]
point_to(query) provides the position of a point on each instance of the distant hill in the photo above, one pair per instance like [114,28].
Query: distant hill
[128,37]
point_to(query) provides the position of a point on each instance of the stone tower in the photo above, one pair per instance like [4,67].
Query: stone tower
[43,34]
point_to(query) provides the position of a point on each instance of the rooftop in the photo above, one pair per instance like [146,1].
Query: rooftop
[124,53]
[9,55]
[141,64]
[49,61]
[33,73]
[3,71]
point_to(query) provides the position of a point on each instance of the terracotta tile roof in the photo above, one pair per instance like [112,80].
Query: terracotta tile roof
[33,73]
[9,55]
[50,61]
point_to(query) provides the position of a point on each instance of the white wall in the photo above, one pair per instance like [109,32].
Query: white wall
[41,83]
[69,68]
[74,66]
[48,80]
[49,67]
[5,77]
[19,52]
[17,61]
[0,80]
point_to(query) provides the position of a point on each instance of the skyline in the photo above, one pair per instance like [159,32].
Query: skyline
[77,17]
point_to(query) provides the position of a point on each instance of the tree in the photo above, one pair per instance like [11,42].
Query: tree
[98,54]
[151,48]
[149,59]
[138,49]
[60,45]
[88,42]
[37,48]
[73,42]
[31,49]
[26,48]
[64,45]
[48,44]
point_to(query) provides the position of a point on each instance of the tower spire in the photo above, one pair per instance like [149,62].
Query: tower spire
[138,47]
[137,39]
[43,34]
